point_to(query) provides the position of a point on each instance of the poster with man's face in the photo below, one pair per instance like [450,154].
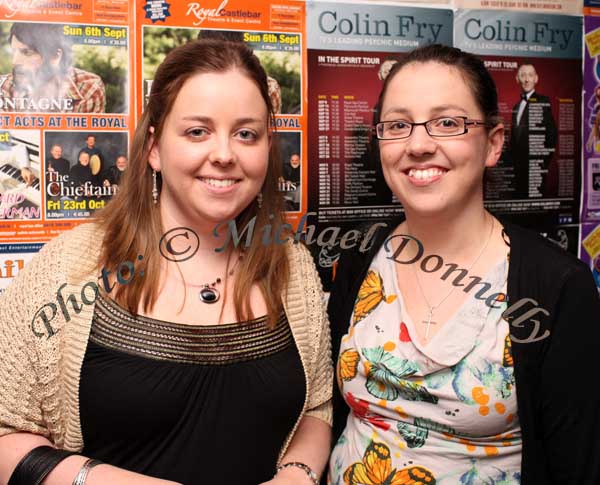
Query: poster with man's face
[63,68]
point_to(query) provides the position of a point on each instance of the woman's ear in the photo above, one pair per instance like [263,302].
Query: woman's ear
[154,152]
[495,144]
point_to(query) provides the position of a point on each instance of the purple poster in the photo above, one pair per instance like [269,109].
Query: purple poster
[590,209]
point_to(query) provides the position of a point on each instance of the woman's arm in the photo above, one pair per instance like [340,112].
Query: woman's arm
[14,447]
[24,375]
[570,395]
[312,439]
[310,446]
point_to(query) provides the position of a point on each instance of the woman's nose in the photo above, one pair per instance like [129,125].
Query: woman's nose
[420,142]
[221,151]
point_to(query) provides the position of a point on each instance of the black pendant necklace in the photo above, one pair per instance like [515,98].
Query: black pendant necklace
[208,293]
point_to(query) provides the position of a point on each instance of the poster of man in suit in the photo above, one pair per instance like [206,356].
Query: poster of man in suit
[533,135]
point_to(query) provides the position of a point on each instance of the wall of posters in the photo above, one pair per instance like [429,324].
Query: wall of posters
[65,104]
[275,33]
[535,60]
[590,210]
[66,118]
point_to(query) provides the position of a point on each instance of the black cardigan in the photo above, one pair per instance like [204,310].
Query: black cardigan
[558,397]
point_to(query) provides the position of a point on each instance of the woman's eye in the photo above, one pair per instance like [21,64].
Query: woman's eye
[247,135]
[398,125]
[447,123]
[196,132]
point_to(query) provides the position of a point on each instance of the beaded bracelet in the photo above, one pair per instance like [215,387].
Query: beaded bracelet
[308,470]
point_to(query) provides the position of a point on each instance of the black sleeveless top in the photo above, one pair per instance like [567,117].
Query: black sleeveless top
[190,403]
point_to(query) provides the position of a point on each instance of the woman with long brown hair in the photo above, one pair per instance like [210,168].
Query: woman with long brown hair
[180,363]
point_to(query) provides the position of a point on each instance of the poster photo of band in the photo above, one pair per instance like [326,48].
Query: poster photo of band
[82,171]
[63,68]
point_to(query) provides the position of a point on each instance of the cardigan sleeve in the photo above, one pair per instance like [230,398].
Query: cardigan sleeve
[321,370]
[323,375]
[23,377]
[570,395]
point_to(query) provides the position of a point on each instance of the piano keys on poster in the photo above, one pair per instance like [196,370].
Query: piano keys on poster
[20,195]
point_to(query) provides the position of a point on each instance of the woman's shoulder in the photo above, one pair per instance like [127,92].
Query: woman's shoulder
[540,254]
[75,245]
[70,251]
[302,265]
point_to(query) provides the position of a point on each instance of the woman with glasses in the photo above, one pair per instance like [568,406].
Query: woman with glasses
[463,344]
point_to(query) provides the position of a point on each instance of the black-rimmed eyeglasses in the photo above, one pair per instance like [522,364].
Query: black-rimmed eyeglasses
[438,127]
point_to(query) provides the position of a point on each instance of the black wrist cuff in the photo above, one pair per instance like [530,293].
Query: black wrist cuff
[36,465]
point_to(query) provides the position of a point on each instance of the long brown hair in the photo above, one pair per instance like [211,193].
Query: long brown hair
[132,222]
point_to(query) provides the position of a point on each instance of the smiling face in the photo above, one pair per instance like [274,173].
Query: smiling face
[295,160]
[84,159]
[527,77]
[121,163]
[214,148]
[431,175]
[56,152]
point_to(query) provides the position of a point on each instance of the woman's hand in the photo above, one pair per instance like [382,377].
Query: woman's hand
[290,476]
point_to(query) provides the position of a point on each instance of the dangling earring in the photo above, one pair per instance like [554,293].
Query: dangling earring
[154,188]
[259,200]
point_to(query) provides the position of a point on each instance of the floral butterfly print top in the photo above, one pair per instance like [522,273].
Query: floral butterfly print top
[441,413]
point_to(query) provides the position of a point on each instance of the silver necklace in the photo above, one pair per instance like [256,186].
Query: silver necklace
[432,308]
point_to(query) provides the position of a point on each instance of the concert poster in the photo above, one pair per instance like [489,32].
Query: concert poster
[275,32]
[72,189]
[590,210]
[535,60]
[351,48]
[65,74]
[13,258]
[590,249]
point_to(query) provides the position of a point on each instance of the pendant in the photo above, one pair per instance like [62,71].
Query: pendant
[209,295]
[429,322]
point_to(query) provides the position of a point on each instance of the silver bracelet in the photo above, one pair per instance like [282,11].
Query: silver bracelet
[308,470]
[85,469]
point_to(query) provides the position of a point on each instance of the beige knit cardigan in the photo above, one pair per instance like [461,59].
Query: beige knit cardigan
[39,376]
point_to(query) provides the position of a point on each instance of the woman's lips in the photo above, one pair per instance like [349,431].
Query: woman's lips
[219,185]
[425,176]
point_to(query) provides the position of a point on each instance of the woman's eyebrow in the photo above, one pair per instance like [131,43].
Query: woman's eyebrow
[398,110]
[207,119]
